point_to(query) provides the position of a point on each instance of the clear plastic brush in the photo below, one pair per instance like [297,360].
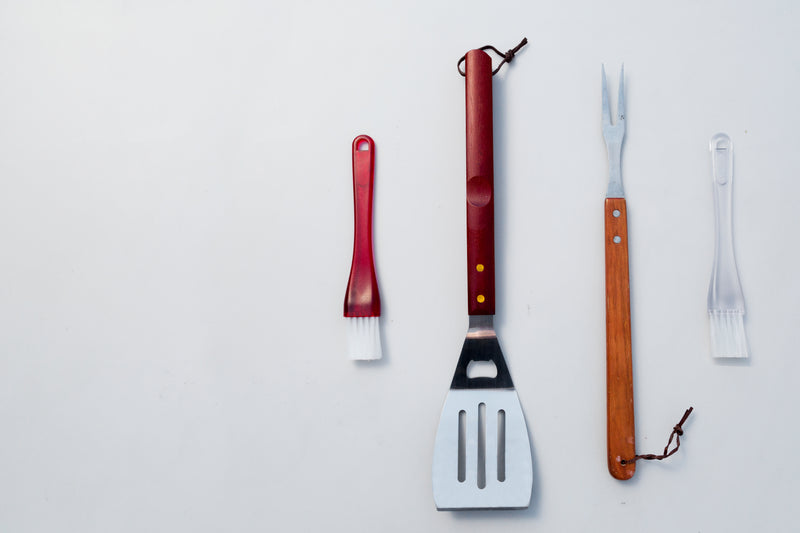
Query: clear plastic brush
[725,298]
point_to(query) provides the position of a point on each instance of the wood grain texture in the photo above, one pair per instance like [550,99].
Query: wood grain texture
[480,184]
[619,371]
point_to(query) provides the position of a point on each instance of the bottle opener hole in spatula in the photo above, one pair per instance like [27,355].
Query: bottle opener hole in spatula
[482,454]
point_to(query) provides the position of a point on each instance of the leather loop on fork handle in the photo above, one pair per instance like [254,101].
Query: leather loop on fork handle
[619,372]
[480,184]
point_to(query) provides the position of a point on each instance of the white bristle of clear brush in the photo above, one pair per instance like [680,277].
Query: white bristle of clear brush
[364,338]
[727,334]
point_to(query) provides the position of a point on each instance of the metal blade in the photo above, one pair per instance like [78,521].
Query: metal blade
[507,452]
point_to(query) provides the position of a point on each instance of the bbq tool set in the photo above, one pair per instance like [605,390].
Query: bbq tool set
[482,450]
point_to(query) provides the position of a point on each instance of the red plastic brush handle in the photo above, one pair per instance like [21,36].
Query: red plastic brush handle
[480,184]
[362,298]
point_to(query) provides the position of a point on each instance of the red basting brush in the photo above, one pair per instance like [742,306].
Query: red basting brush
[362,303]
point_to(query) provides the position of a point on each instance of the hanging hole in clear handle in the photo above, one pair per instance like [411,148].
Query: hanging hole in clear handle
[363,146]
[721,148]
[720,142]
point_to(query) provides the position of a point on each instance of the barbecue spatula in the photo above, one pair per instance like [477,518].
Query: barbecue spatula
[482,455]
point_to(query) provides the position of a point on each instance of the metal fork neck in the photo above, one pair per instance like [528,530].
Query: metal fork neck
[615,189]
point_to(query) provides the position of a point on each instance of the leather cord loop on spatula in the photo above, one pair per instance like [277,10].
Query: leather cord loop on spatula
[507,57]
[677,431]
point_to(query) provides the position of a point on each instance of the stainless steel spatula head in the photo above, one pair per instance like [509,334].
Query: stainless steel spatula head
[482,454]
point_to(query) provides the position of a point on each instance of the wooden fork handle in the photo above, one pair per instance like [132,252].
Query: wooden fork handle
[619,371]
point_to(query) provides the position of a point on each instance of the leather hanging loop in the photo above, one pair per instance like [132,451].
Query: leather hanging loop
[507,57]
[677,431]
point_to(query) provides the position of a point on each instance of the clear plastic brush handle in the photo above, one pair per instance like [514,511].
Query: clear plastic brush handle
[725,291]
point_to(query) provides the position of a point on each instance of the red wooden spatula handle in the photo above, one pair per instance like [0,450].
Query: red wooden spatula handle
[480,184]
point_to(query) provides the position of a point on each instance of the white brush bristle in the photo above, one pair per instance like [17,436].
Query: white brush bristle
[364,338]
[727,334]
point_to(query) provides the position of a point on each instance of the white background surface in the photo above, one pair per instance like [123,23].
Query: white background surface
[175,239]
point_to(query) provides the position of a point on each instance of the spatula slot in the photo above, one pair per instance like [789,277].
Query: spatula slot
[501,445]
[462,446]
[481,445]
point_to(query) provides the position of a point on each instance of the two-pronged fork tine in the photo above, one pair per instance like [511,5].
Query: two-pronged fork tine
[614,134]
[619,372]
[620,101]
[604,98]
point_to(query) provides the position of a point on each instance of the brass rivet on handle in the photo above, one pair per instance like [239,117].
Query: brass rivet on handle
[479,267]
[481,298]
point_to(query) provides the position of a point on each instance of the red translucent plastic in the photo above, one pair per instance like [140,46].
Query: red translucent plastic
[362,298]
[480,184]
